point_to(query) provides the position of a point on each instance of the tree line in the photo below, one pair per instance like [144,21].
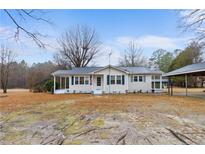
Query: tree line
[21,75]
[80,45]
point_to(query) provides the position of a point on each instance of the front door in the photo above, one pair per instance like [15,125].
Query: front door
[99,82]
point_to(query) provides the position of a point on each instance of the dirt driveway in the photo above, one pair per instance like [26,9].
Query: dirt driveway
[28,118]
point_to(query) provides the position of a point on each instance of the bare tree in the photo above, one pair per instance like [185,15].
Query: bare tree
[133,56]
[193,20]
[26,15]
[7,58]
[62,61]
[78,46]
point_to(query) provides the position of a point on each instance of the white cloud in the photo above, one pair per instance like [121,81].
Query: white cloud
[152,41]
[148,42]
[3,29]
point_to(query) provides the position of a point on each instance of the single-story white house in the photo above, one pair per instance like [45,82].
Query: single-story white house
[108,79]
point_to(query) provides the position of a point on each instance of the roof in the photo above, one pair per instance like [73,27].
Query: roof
[189,69]
[90,70]
[77,70]
[117,68]
[141,70]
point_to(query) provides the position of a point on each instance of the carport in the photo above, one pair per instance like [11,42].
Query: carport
[197,69]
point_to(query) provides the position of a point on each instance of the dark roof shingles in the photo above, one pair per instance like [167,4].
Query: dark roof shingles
[87,70]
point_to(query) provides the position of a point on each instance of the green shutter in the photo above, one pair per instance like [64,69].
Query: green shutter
[72,80]
[108,79]
[123,79]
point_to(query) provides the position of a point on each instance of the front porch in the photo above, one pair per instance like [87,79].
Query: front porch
[78,84]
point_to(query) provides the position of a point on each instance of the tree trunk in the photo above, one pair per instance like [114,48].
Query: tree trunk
[4,90]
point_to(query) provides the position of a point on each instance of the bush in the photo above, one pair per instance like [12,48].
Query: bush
[38,88]
[49,87]
[45,86]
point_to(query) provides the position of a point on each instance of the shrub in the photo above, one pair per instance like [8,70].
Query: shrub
[38,88]
[49,86]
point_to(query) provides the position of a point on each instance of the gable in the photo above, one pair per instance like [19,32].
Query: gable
[111,70]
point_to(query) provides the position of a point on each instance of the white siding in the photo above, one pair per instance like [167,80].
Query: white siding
[115,87]
[112,88]
[79,88]
[144,86]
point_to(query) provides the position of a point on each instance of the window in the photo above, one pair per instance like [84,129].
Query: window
[119,79]
[157,85]
[86,80]
[140,78]
[81,80]
[112,79]
[62,82]
[67,82]
[76,80]
[135,78]
[152,77]
[157,77]
[98,81]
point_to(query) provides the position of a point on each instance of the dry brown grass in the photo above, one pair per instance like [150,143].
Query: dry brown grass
[26,114]
[14,100]
[122,102]
[106,103]
[191,90]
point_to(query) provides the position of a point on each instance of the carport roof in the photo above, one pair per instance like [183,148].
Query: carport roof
[189,69]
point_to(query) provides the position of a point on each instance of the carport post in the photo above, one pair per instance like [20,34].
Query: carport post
[169,84]
[186,83]
[171,87]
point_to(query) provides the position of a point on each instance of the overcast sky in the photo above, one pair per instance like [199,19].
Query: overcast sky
[152,29]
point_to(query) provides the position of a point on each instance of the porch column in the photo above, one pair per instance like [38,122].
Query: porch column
[160,82]
[154,83]
[65,82]
[127,81]
[54,86]
[169,84]
[60,83]
[104,83]
[92,82]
